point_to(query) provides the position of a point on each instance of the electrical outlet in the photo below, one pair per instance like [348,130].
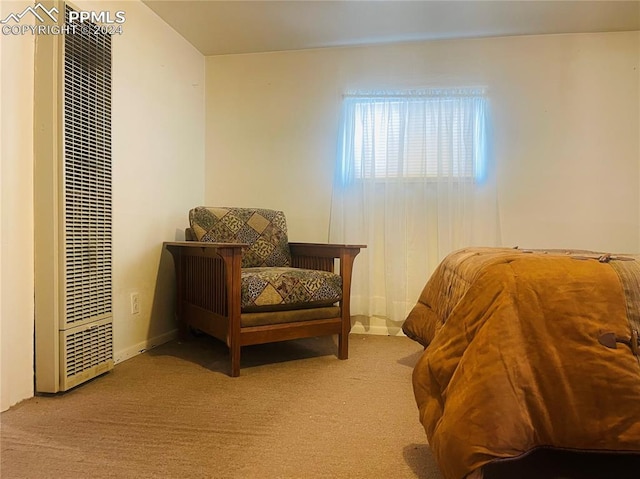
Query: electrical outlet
[135,303]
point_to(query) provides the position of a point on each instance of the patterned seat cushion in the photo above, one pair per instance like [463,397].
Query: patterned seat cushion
[278,289]
[265,231]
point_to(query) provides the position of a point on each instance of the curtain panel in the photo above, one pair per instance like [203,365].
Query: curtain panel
[414,182]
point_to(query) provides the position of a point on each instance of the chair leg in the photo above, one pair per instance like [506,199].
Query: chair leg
[343,345]
[343,337]
[234,350]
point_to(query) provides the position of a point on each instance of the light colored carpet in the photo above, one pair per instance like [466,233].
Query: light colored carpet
[296,411]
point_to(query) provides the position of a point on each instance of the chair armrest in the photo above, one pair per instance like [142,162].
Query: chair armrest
[202,248]
[230,253]
[321,256]
[324,250]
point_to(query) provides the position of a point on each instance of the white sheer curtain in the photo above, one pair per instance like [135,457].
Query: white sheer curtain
[413,182]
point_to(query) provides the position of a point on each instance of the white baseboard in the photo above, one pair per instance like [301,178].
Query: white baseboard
[140,348]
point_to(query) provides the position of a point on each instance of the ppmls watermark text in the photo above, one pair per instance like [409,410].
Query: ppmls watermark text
[66,29]
[77,22]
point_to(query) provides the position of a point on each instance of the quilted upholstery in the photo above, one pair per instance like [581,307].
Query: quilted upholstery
[268,281]
[276,289]
[265,231]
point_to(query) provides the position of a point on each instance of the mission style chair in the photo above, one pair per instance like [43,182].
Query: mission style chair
[241,281]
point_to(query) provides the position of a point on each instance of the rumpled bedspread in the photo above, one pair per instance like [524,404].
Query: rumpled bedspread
[515,359]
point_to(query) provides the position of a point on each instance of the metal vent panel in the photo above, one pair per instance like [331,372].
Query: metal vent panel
[87,175]
[87,352]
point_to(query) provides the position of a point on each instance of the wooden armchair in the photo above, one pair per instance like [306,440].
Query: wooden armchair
[241,281]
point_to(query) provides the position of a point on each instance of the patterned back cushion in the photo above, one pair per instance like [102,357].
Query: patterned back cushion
[265,231]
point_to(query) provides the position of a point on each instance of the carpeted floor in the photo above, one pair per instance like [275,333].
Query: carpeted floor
[296,411]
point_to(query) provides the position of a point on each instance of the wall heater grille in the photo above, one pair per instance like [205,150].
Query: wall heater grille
[86,336]
[73,206]
[88,352]
[87,173]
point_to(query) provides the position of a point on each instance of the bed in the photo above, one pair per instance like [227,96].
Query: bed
[525,351]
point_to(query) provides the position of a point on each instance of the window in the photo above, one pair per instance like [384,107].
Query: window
[427,134]
[411,184]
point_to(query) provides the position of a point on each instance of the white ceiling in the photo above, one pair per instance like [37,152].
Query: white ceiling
[238,26]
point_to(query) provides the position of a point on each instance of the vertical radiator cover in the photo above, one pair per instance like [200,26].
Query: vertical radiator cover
[74,319]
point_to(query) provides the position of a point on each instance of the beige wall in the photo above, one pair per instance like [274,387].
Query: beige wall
[566,123]
[158,159]
[158,154]
[16,214]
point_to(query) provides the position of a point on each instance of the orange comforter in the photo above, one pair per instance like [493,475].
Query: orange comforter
[517,356]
